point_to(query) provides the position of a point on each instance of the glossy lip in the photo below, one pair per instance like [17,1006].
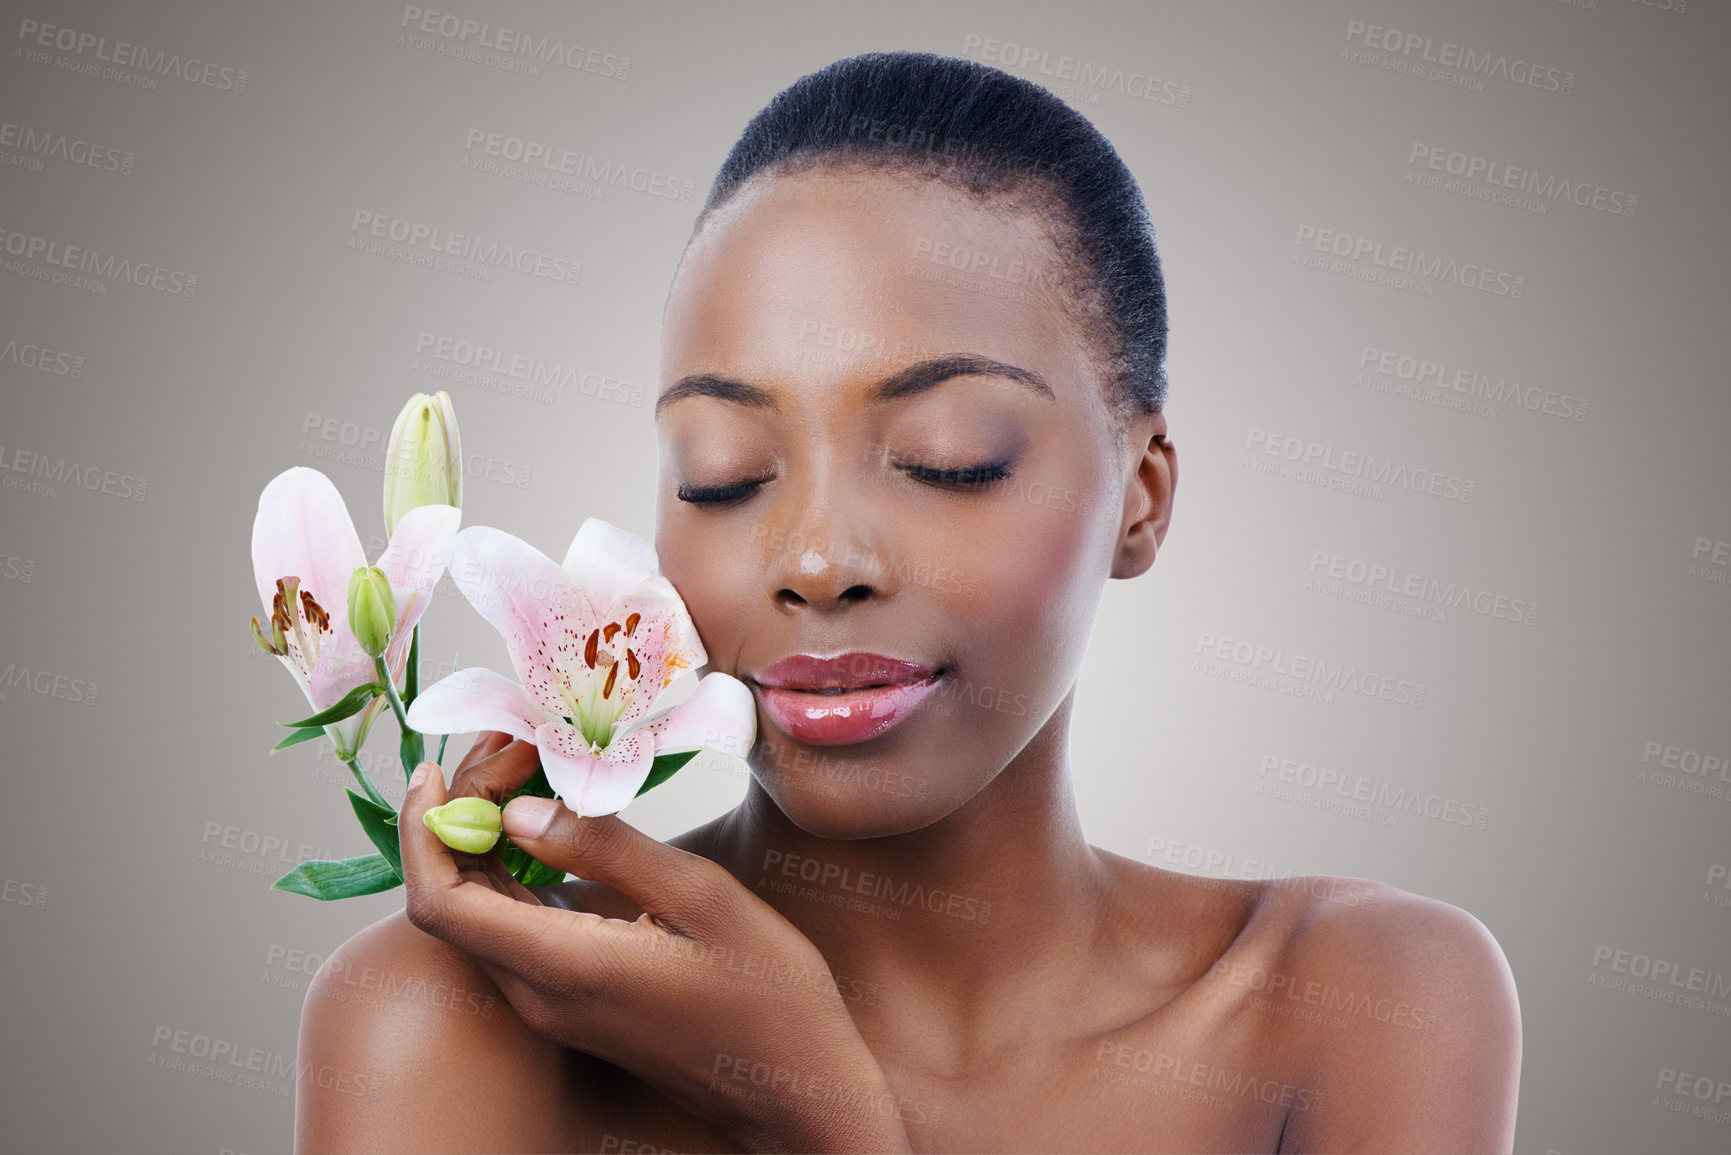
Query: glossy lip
[849,671]
[838,701]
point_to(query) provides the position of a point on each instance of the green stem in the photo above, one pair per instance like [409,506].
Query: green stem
[367,783]
[412,748]
[391,693]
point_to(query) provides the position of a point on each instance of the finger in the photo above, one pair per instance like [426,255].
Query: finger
[494,767]
[473,916]
[491,866]
[495,775]
[489,742]
[685,892]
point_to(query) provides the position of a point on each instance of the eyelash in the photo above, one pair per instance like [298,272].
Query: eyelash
[970,477]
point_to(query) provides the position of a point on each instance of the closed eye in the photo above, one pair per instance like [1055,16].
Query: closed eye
[966,477]
[720,494]
[969,476]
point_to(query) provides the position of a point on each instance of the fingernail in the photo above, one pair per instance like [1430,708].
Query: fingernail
[529,817]
[419,776]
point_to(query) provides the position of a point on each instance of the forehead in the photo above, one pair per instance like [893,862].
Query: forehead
[829,270]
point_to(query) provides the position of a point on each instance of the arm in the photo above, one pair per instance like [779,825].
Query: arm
[1430,1057]
[775,1063]
[407,1045]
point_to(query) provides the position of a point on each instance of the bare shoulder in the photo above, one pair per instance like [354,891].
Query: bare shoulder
[1443,964]
[1415,1008]
[407,1044]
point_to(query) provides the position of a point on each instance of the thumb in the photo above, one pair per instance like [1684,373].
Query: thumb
[683,891]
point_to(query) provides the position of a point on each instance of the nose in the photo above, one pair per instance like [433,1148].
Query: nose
[825,558]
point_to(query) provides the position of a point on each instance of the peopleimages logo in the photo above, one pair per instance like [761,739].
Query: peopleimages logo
[1472,386]
[463,32]
[1683,769]
[433,241]
[17,465]
[36,145]
[1354,467]
[541,161]
[1417,50]
[1265,665]
[1499,176]
[29,355]
[70,260]
[1404,583]
[1089,78]
[537,374]
[37,35]
[1326,780]
[834,876]
[1401,267]
[1662,979]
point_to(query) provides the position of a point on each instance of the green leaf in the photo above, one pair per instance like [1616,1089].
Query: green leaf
[304,734]
[525,867]
[329,879]
[353,702]
[664,767]
[380,823]
[412,676]
[412,751]
[536,787]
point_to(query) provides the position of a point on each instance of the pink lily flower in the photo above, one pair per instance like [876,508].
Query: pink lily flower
[304,548]
[594,643]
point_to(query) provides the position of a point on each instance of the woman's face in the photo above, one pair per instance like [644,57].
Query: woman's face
[961,522]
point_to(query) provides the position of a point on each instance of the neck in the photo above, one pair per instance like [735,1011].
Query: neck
[952,918]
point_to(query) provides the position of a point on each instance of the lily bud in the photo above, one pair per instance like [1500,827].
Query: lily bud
[466,825]
[372,609]
[424,458]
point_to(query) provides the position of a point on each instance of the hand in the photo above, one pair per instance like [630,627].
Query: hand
[765,1048]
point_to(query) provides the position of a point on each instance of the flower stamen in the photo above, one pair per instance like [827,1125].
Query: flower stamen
[307,621]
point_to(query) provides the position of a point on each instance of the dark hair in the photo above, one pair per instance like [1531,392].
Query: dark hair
[980,129]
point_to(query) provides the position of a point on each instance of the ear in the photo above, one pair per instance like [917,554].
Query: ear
[1147,496]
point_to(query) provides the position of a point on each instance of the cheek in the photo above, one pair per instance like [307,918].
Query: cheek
[1025,624]
[714,582]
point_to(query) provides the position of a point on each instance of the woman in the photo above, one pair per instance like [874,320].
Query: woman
[910,422]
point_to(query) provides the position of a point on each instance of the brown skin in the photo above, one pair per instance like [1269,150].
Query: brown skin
[1036,993]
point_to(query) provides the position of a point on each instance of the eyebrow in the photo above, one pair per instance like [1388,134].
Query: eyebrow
[905,382]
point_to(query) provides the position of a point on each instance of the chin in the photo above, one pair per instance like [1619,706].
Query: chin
[842,793]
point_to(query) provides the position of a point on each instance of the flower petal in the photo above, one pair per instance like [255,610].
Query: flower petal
[342,664]
[620,573]
[592,784]
[720,715]
[607,562]
[538,608]
[414,561]
[417,555]
[665,640]
[475,699]
[411,604]
[303,529]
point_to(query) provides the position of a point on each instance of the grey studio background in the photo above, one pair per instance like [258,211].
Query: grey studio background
[1448,309]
